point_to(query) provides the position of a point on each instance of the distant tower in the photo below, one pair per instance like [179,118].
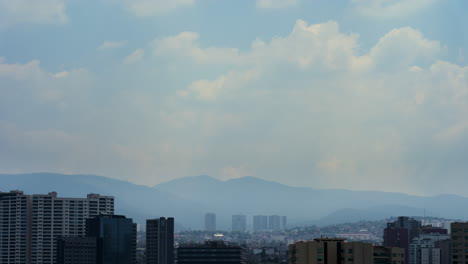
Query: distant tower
[210,222]
[274,223]
[239,223]
[160,241]
[284,222]
[260,223]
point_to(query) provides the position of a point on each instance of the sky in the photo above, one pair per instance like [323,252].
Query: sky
[351,94]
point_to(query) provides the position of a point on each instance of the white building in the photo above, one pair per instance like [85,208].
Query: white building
[31,224]
[423,249]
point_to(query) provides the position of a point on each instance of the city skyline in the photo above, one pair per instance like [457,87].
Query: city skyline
[350,94]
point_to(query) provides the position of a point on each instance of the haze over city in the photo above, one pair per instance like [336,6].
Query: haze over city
[350,94]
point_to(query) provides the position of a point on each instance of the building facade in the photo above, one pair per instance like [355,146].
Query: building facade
[116,238]
[160,241]
[330,251]
[389,255]
[459,238]
[400,234]
[423,249]
[210,222]
[212,252]
[239,223]
[260,223]
[274,223]
[77,250]
[31,224]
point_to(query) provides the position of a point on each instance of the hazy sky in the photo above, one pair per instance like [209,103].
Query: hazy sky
[355,94]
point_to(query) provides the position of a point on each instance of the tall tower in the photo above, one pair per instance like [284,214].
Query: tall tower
[274,223]
[260,223]
[15,223]
[210,222]
[160,241]
[239,223]
[116,238]
[34,222]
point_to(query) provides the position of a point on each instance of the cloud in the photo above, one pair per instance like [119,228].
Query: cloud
[276,3]
[30,79]
[32,12]
[312,104]
[186,46]
[390,8]
[135,57]
[155,7]
[112,45]
[404,47]
[316,93]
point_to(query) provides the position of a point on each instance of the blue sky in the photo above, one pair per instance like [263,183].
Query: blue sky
[356,94]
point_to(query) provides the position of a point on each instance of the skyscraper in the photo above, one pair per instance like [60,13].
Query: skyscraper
[116,238]
[15,224]
[260,223]
[459,237]
[284,222]
[34,222]
[274,223]
[210,222]
[400,233]
[212,252]
[160,241]
[239,223]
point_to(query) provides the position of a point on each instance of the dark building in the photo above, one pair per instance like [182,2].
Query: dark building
[444,246]
[116,238]
[160,241]
[212,252]
[400,233]
[389,255]
[76,250]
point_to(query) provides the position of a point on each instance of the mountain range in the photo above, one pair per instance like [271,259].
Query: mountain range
[189,198]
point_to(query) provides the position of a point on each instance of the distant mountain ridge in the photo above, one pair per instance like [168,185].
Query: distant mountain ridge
[189,198]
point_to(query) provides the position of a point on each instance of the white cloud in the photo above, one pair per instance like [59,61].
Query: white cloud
[112,45]
[14,12]
[404,48]
[276,3]
[40,84]
[390,8]
[185,45]
[135,57]
[155,7]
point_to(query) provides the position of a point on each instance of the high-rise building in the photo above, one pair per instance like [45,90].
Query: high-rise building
[210,222]
[445,248]
[274,223]
[389,255]
[34,222]
[260,223]
[423,249]
[239,223]
[160,241]
[284,222]
[459,238]
[330,251]
[77,250]
[400,233]
[116,238]
[212,252]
